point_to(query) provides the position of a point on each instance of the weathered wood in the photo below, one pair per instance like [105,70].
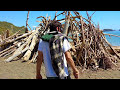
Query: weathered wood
[33,58]
[111,35]
[7,49]
[115,52]
[13,40]
[9,53]
[17,54]
[33,43]
[22,48]
[67,19]
[83,36]
[117,48]
[26,31]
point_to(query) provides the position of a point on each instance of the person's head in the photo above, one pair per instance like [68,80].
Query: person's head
[55,26]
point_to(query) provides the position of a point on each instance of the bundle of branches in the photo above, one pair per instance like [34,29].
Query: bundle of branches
[90,44]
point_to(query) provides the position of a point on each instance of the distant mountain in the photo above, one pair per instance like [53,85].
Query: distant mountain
[104,30]
[9,26]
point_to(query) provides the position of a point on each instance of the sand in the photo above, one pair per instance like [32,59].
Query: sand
[22,70]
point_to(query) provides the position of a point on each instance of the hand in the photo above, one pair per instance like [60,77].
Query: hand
[76,74]
[39,77]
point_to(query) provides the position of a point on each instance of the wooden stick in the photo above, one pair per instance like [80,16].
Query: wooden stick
[65,31]
[83,36]
[33,58]
[7,52]
[111,35]
[26,31]
[7,49]
[17,54]
[10,52]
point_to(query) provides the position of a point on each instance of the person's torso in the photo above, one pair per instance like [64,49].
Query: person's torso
[47,60]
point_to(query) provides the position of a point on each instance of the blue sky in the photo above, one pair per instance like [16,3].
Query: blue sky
[106,19]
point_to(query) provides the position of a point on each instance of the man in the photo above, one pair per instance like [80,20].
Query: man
[45,53]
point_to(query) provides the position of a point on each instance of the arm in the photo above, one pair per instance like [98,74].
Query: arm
[38,66]
[72,64]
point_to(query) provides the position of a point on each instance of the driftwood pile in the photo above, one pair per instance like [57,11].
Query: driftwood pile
[89,45]
[18,44]
[23,46]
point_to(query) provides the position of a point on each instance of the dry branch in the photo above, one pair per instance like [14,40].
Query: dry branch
[111,35]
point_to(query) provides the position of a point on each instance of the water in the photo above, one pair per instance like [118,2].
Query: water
[115,41]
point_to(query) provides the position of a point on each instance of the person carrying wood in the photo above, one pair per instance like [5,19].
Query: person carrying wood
[54,50]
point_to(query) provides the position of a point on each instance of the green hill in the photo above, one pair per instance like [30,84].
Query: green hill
[9,26]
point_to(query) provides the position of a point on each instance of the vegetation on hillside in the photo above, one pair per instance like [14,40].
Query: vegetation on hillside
[9,26]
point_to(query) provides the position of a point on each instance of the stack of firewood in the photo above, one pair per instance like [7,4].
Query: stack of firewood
[89,45]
